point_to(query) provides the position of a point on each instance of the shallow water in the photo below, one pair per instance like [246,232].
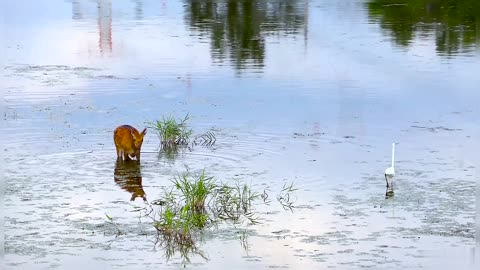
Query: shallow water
[309,92]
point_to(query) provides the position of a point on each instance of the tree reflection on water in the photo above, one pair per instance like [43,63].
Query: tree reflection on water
[238,29]
[455,25]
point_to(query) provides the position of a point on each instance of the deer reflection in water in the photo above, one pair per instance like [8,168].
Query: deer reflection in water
[128,176]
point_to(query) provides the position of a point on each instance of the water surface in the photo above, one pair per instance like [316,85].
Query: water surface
[309,92]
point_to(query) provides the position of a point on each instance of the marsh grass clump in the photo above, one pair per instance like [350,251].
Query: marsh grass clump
[175,135]
[172,132]
[196,203]
[195,192]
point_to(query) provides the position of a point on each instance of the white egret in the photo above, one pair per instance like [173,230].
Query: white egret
[390,171]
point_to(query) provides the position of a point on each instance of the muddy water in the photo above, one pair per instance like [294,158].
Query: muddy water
[309,92]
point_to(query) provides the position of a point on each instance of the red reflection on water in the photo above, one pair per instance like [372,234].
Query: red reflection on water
[105,42]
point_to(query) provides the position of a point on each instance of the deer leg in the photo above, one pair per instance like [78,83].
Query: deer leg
[118,153]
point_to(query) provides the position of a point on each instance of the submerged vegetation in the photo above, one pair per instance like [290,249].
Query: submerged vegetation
[193,204]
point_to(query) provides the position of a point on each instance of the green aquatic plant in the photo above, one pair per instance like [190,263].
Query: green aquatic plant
[172,132]
[286,198]
[175,136]
[243,237]
[110,221]
[196,203]
[175,231]
[183,208]
[195,192]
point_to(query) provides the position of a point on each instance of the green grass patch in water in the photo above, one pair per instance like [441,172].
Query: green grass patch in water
[197,203]
[172,132]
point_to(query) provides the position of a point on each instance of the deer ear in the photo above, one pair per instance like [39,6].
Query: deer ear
[144,131]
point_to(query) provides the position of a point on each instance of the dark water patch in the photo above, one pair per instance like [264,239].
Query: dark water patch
[436,129]
[49,75]
[56,74]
